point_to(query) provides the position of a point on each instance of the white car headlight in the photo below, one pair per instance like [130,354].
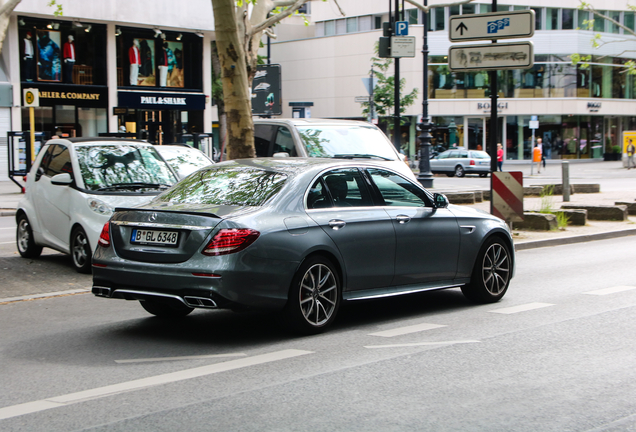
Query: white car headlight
[99,206]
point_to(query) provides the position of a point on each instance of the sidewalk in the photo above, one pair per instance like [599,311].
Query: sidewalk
[10,195]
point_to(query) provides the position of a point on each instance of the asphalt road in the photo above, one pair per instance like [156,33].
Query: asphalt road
[556,354]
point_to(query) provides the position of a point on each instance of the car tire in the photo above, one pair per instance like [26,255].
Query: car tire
[491,273]
[483,174]
[165,310]
[81,253]
[314,296]
[24,239]
[459,171]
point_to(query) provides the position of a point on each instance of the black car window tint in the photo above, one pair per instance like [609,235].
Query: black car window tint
[60,162]
[397,191]
[347,189]
[317,197]
[463,155]
[263,135]
[284,142]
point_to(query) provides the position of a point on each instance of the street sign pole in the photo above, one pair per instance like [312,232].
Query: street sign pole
[492,148]
[396,89]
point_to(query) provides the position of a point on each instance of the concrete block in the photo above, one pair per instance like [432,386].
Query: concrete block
[486,195]
[479,196]
[586,188]
[461,197]
[537,221]
[618,212]
[557,189]
[631,207]
[532,190]
[575,217]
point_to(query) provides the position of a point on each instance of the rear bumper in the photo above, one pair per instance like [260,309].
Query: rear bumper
[264,286]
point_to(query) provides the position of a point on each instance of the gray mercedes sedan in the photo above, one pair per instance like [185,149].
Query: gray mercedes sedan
[300,236]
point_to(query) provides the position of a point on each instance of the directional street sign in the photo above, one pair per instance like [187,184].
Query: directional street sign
[513,55]
[498,25]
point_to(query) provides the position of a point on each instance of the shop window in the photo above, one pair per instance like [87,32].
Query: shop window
[92,121]
[599,22]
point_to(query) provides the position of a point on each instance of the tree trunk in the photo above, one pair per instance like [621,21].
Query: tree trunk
[217,92]
[234,76]
[5,15]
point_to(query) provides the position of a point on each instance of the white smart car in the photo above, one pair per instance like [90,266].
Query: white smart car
[75,184]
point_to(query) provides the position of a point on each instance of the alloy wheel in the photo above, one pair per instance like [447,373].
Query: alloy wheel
[496,269]
[24,235]
[80,243]
[318,294]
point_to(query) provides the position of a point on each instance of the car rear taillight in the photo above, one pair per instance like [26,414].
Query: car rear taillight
[228,241]
[472,162]
[104,237]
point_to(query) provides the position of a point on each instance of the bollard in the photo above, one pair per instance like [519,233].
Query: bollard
[565,168]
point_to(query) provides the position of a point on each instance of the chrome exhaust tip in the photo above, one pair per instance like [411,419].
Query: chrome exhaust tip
[200,302]
[101,291]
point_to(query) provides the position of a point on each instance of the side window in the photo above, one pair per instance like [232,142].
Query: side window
[263,135]
[396,191]
[60,162]
[463,155]
[443,155]
[347,188]
[284,142]
[453,155]
[46,160]
[318,197]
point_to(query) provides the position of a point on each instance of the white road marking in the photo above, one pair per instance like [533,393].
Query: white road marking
[611,290]
[522,308]
[406,330]
[416,344]
[194,357]
[40,296]
[11,242]
[72,398]
[11,228]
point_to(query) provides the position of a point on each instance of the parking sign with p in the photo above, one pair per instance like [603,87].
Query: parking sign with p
[402,28]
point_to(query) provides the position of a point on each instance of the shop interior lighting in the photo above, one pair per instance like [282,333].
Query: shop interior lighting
[157,32]
[179,37]
[21,22]
[88,28]
[199,33]
[118,32]
[56,26]
[76,23]
[49,26]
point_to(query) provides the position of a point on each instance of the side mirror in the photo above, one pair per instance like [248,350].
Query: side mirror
[63,179]
[440,200]
[281,154]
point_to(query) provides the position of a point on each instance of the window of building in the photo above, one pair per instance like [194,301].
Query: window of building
[412,16]
[485,8]
[552,19]
[503,8]
[468,9]
[454,10]
[320,28]
[365,22]
[537,18]
[567,19]
[341,26]
[582,17]
[519,8]
[616,16]
[352,25]
[599,22]
[628,20]
[330,28]
[440,19]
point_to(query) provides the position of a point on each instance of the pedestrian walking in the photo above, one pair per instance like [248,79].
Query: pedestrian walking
[536,157]
[540,144]
[630,155]
[499,157]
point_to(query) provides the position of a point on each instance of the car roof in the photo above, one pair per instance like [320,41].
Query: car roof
[96,140]
[312,121]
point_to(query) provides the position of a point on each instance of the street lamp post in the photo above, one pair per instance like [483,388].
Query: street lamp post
[425,177]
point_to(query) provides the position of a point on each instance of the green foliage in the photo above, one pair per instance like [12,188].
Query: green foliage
[562,220]
[547,206]
[58,8]
[384,92]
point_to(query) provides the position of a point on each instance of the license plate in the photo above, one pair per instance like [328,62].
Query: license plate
[153,237]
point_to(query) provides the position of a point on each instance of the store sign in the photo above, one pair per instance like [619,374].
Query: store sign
[266,91]
[485,106]
[594,106]
[58,94]
[161,101]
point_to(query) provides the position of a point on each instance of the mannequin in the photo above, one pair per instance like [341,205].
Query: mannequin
[135,61]
[163,66]
[28,57]
[69,59]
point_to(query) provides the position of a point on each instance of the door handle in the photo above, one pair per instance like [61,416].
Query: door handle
[336,224]
[402,218]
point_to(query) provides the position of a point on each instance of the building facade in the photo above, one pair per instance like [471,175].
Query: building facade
[140,69]
[582,109]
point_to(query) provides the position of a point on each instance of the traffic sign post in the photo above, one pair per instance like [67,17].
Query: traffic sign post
[492,26]
[402,28]
[513,55]
[32,100]
[507,195]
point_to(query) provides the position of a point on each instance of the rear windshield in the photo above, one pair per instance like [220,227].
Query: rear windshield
[109,165]
[328,141]
[240,186]
[480,155]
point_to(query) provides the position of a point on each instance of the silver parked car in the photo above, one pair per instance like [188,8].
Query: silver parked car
[301,235]
[459,162]
[183,159]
